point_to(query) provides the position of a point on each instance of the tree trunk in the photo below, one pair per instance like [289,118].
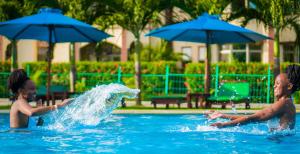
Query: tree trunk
[137,64]
[72,68]
[276,53]
[169,20]
[14,63]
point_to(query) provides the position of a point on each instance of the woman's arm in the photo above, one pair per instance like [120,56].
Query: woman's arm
[261,115]
[215,114]
[239,120]
[231,117]
[26,109]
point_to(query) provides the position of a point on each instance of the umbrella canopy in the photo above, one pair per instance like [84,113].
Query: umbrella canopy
[197,31]
[51,22]
[210,30]
[52,26]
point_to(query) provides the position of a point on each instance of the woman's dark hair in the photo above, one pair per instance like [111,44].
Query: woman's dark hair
[17,80]
[293,74]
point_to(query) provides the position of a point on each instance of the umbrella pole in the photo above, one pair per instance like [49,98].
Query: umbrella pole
[72,67]
[49,59]
[207,65]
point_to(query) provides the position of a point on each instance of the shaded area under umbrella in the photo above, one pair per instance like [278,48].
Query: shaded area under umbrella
[207,29]
[52,26]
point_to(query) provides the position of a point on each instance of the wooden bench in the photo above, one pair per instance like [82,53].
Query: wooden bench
[231,92]
[198,97]
[167,100]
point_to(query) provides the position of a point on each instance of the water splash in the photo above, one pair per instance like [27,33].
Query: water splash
[89,108]
[233,108]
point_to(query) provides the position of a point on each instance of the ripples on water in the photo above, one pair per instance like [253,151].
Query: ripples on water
[84,127]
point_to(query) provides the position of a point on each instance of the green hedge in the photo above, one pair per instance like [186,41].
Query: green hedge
[4,66]
[234,68]
[228,68]
[4,74]
[90,74]
[104,67]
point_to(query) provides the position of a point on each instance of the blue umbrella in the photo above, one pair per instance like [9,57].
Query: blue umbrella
[210,30]
[52,26]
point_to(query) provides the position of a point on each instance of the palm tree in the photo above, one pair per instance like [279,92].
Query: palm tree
[134,16]
[274,14]
[89,11]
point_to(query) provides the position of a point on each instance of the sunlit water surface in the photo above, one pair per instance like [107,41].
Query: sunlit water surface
[86,126]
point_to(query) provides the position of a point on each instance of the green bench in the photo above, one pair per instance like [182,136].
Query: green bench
[231,92]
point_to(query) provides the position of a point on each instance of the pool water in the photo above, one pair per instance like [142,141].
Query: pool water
[148,134]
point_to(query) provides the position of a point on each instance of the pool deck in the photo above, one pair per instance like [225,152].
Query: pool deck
[173,110]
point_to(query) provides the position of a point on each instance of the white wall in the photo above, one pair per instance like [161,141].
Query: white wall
[61,52]
[27,51]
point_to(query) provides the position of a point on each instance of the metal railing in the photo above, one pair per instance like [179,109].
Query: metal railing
[167,84]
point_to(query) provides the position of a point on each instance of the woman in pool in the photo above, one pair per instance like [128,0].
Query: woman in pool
[283,108]
[24,91]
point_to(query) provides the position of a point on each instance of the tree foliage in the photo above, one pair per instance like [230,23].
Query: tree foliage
[196,7]
[11,9]
[159,52]
[276,14]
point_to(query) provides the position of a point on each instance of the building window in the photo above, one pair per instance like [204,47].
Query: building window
[42,54]
[104,51]
[238,52]
[187,53]
[255,56]
[42,51]
[201,53]
[255,51]
[225,53]
[239,56]
[289,54]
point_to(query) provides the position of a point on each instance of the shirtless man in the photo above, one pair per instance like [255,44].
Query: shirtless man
[283,108]
[24,91]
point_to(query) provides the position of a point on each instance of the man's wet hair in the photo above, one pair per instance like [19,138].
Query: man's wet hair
[17,80]
[293,74]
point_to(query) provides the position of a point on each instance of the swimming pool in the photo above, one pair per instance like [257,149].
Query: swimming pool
[148,134]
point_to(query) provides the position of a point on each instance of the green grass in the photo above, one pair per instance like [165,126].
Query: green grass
[5,107]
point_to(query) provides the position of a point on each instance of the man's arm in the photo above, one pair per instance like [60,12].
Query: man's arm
[261,115]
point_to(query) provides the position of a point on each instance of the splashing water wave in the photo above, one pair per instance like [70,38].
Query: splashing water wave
[89,108]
